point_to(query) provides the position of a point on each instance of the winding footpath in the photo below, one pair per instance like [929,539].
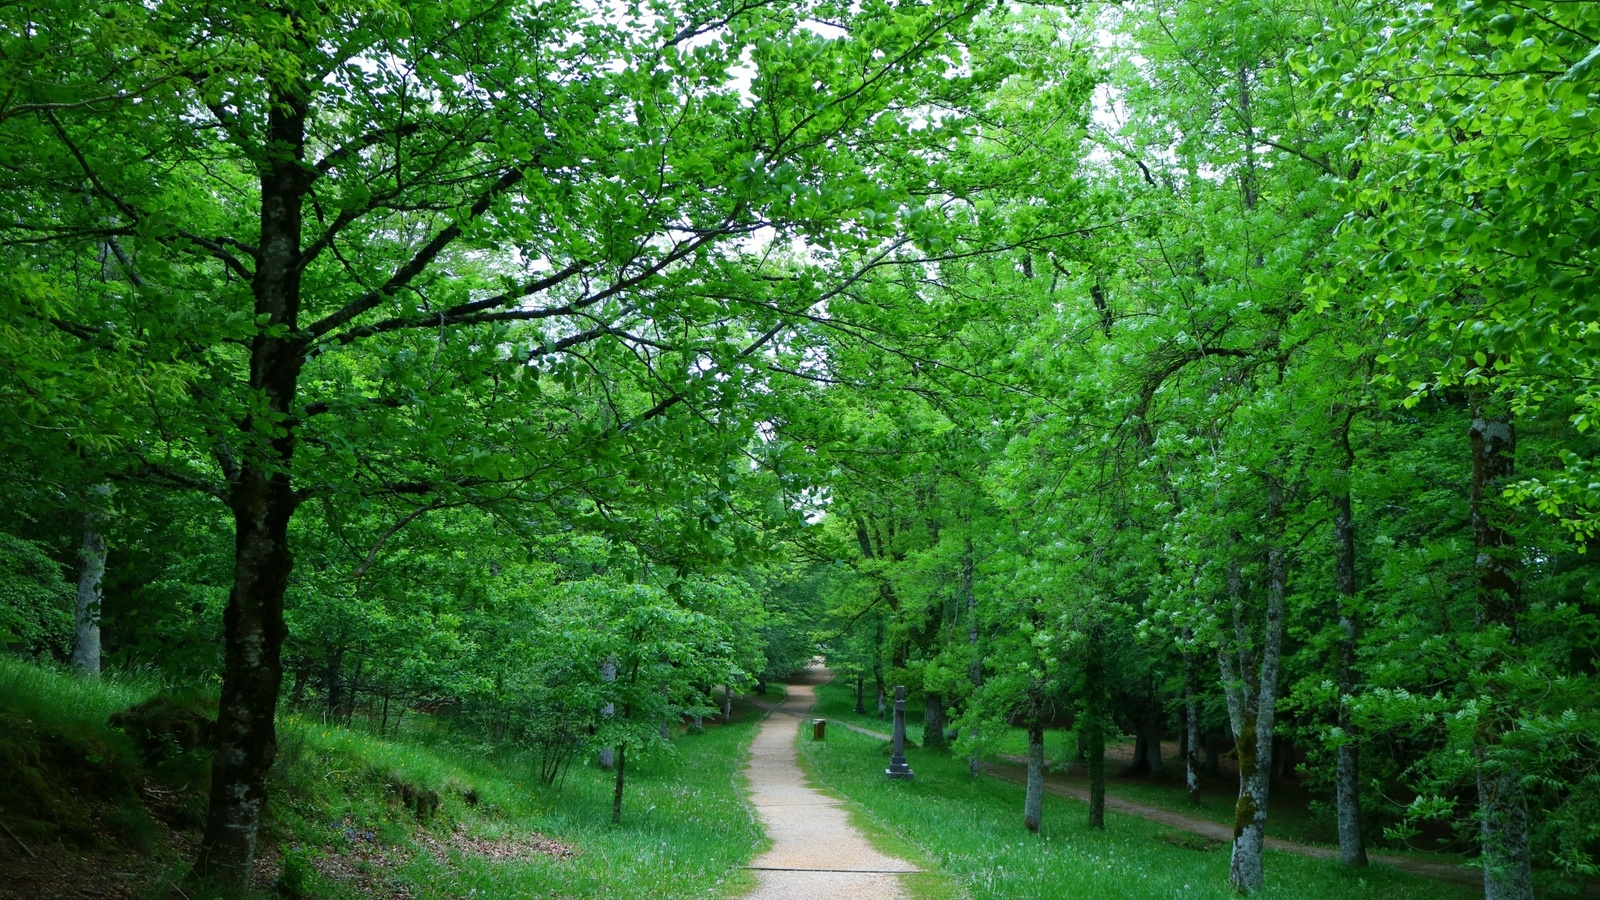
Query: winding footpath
[815,851]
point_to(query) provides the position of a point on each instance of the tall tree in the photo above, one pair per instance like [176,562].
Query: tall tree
[463,193]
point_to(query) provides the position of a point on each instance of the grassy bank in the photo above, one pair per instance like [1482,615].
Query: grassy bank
[423,816]
[972,830]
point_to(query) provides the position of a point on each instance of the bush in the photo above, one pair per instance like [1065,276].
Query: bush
[35,600]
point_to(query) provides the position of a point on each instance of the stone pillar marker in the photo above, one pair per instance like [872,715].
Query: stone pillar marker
[897,762]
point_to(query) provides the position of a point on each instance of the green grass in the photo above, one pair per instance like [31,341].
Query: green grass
[1289,821]
[972,831]
[344,795]
[50,696]
[685,830]
[836,700]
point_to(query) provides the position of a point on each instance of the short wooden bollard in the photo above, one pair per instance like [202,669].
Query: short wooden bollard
[819,729]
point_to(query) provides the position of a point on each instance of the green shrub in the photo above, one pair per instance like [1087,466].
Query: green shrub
[35,600]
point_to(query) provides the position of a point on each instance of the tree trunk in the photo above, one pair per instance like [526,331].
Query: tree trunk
[1212,742]
[861,687]
[91,572]
[1094,726]
[1033,801]
[975,667]
[1253,712]
[616,792]
[1503,830]
[877,671]
[1347,765]
[1502,804]
[1148,731]
[608,674]
[333,684]
[262,500]
[1191,720]
[933,722]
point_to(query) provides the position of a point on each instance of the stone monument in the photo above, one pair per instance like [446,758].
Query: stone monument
[897,762]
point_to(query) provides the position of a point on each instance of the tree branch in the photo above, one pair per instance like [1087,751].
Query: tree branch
[423,258]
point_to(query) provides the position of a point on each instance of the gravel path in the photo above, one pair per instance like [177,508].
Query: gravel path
[816,853]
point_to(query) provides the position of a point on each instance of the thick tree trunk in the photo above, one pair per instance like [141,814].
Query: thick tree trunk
[333,684]
[91,572]
[975,667]
[1094,727]
[1347,765]
[1033,800]
[246,735]
[1253,712]
[1502,804]
[1191,721]
[1503,830]
[1149,728]
[262,499]
[877,672]
[1211,744]
[608,674]
[616,792]
[933,722]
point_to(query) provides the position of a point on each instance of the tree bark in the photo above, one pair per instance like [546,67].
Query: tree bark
[262,500]
[933,722]
[91,572]
[1148,732]
[975,667]
[1252,709]
[1502,804]
[1094,727]
[608,674]
[1033,801]
[1347,765]
[333,684]
[1191,720]
[616,792]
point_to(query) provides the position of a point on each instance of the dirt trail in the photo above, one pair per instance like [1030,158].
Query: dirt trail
[815,851]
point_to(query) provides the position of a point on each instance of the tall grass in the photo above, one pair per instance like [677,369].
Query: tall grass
[339,792]
[685,829]
[52,697]
[972,829]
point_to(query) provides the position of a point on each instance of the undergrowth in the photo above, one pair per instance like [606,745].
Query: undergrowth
[422,815]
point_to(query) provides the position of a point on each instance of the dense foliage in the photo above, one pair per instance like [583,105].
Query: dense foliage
[1213,371]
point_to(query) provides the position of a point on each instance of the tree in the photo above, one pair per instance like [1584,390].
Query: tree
[470,197]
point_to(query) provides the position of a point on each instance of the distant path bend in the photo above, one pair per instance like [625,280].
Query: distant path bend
[816,853]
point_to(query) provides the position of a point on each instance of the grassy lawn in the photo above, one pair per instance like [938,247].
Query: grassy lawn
[1291,820]
[972,831]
